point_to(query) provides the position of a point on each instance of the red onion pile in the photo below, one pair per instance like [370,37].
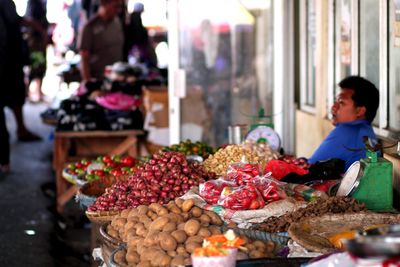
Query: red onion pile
[164,177]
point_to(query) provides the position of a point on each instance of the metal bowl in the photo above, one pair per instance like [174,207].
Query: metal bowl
[376,243]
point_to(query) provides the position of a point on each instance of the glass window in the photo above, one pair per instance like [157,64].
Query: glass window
[394,65]
[343,37]
[369,42]
[308,89]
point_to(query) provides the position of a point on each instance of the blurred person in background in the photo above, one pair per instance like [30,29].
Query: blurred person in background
[101,40]
[138,44]
[13,55]
[37,40]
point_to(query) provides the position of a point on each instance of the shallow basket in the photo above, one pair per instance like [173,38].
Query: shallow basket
[88,193]
[101,217]
[312,233]
[279,240]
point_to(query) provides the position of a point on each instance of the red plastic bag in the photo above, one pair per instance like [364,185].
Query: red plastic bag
[271,189]
[211,190]
[241,198]
[280,168]
[242,173]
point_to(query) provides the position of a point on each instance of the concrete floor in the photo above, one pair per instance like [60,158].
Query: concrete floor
[32,233]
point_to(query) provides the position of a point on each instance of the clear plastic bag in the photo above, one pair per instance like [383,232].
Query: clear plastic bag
[211,190]
[245,197]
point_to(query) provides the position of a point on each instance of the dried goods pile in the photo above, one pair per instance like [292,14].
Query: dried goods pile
[249,153]
[166,235]
[317,208]
[164,177]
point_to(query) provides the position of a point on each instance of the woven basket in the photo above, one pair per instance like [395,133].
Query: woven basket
[88,193]
[101,217]
[312,233]
[279,240]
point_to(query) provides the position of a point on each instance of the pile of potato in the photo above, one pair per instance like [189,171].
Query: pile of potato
[250,153]
[166,235]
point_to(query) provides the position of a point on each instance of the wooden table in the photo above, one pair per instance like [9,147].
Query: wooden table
[73,146]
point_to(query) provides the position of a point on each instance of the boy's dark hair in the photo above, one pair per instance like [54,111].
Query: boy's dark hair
[365,94]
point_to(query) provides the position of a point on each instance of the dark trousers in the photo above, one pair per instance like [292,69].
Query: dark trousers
[4,139]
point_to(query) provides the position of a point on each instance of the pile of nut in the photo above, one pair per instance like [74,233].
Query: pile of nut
[166,235]
[319,207]
[248,153]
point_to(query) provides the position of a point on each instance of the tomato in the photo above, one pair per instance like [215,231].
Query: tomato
[106,159]
[254,205]
[115,172]
[127,161]
[99,172]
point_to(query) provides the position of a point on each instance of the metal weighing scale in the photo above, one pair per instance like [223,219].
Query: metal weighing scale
[370,181]
[262,131]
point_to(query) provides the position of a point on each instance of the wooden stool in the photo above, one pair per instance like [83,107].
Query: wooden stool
[88,144]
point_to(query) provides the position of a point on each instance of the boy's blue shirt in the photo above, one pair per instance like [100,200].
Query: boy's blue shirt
[344,136]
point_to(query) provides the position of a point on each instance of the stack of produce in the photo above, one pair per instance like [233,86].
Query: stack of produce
[165,176]
[189,148]
[249,153]
[115,165]
[332,205]
[166,235]
[243,188]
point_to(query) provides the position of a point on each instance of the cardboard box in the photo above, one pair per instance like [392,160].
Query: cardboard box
[155,101]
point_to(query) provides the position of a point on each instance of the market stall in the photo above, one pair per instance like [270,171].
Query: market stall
[283,209]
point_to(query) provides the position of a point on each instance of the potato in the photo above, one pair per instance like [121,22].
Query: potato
[155,207]
[270,246]
[215,230]
[118,223]
[159,223]
[196,238]
[149,253]
[181,250]
[133,212]
[161,260]
[181,226]
[125,213]
[172,253]
[142,232]
[186,216]
[141,248]
[156,258]
[132,242]
[144,264]
[120,257]
[169,227]
[145,220]
[129,224]
[150,213]
[187,205]
[174,208]
[251,247]
[179,235]
[191,246]
[178,260]
[173,217]
[132,257]
[196,212]
[192,227]
[215,219]
[204,232]
[187,261]
[151,238]
[205,219]
[167,242]
[255,254]
[142,209]
[113,233]
[179,202]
